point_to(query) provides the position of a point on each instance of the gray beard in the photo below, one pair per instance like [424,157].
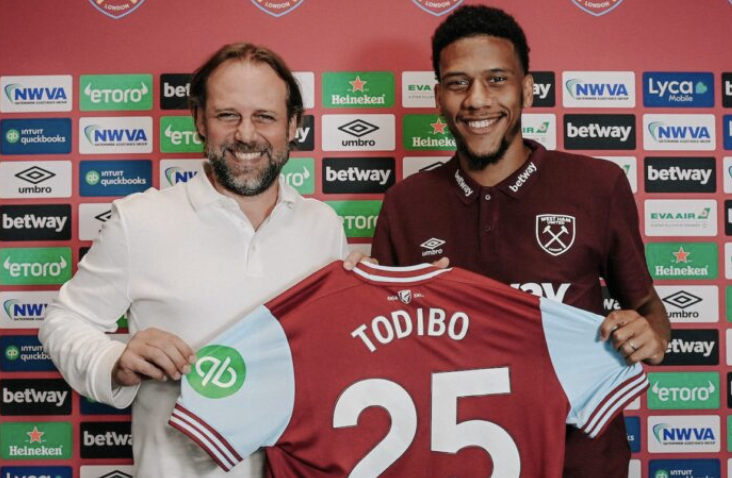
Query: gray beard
[253,187]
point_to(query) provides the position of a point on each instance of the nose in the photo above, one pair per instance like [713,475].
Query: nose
[246,131]
[479,96]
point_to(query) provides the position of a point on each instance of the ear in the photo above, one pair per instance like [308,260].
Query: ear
[198,118]
[528,90]
[438,98]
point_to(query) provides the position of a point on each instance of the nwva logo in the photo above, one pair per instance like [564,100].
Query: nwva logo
[661,131]
[18,310]
[579,89]
[99,136]
[177,175]
[667,434]
[16,93]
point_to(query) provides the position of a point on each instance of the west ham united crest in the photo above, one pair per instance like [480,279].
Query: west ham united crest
[597,7]
[277,8]
[555,233]
[405,296]
[117,8]
[438,7]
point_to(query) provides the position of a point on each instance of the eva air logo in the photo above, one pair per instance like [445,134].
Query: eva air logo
[12,136]
[374,89]
[12,352]
[426,132]
[116,92]
[92,177]
[178,135]
[218,373]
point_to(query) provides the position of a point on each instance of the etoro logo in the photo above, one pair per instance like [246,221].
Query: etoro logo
[683,391]
[178,135]
[35,266]
[116,92]
[219,372]
[300,174]
[358,217]
[35,440]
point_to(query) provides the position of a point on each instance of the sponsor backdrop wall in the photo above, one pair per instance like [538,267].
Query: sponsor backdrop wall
[93,108]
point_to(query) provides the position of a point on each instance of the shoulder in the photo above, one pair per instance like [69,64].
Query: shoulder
[419,183]
[153,203]
[582,165]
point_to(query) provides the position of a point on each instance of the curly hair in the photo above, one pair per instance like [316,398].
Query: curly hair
[474,20]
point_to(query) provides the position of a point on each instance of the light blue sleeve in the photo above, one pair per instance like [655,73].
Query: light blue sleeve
[594,376]
[229,417]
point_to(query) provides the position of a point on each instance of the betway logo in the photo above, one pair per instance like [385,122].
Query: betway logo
[523,177]
[109,438]
[544,289]
[598,131]
[35,269]
[357,174]
[660,131]
[541,90]
[676,173]
[687,347]
[31,221]
[116,95]
[182,137]
[31,395]
[463,185]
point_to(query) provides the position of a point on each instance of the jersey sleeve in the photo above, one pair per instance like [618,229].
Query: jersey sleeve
[595,378]
[239,395]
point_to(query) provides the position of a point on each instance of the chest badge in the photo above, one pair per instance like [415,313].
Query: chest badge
[555,233]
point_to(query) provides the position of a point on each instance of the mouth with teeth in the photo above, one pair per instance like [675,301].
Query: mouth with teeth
[480,125]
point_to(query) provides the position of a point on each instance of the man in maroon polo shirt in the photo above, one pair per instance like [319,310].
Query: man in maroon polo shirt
[546,222]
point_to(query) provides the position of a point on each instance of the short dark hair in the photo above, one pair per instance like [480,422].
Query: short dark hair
[474,20]
[245,52]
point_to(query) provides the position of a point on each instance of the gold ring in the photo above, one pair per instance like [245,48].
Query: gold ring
[632,345]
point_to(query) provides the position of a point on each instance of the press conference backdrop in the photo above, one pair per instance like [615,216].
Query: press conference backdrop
[93,107]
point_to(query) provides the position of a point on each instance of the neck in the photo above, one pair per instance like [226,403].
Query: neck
[516,155]
[255,208]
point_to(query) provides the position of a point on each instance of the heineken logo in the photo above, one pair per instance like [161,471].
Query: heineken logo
[219,372]
[35,441]
[373,89]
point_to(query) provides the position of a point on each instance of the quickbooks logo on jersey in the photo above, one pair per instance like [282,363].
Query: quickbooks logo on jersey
[35,94]
[679,132]
[115,135]
[678,90]
[35,441]
[300,174]
[219,372]
[690,260]
[425,133]
[594,89]
[358,217]
[178,135]
[35,266]
[679,434]
[35,136]
[599,131]
[374,89]
[114,178]
[683,391]
[116,92]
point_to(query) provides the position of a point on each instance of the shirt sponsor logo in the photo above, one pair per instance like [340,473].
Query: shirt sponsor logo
[115,135]
[306,80]
[418,89]
[358,217]
[35,94]
[115,92]
[544,89]
[38,179]
[358,175]
[683,434]
[178,135]
[680,175]
[373,89]
[541,128]
[106,440]
[689,260]
[116,471]
[680,218]
[599,131]
[92,217]
[35,397]
[358,133]
[305,134]
[462,184]
[35,266]
[426,132]
[628,165]
[555,233]
[599,89]
[35,472]
[24,309]
[432,246]
[50,222]
[683,391]
[727,90]
[35,136]
[116,9]
[678,90]
[596,8]
[684,468]
[679,132]
[174,171]
[632,428]
[35,441]
[90,407]
[555,292]
[300,174]
[219,372]
[417,164]
[609,303]
[114,178]
[23,353]
[277,8]
[174,91]
[692,347]
[523,177]
[437,7]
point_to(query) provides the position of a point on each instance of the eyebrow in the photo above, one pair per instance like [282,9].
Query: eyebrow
[492,70]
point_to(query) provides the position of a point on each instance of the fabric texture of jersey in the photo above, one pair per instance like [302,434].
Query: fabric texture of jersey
[391,371]
[185,260]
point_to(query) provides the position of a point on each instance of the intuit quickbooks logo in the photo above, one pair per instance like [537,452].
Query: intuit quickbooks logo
[219,372]
[683,391]
[35,94]
[178,135]
[35,136]
[114,178]
[300,174]
[425,133]
[35,441]
[689,260]
[358,217]
[115,135]
[679,132]
[23,353]
[372,89]
[678,90]
[35,266]
[116,92]
[684,468]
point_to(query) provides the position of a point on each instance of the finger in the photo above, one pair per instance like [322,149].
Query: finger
[442,263]
[159,358]
[178,353]
[138,365]
[184,349]
[616,320]
[354,257]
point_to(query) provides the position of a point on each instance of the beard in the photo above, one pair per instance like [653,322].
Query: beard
[243,179]
[478,162]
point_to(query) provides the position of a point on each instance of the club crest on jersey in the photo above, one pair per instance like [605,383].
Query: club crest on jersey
[116,8]
[597,8]
[437,7]
[277,8]
[555,233]
[405,296]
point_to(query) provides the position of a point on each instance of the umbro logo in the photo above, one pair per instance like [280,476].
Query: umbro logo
[35,175]
[104,217]
[433,246]
[358,128]
[682,299]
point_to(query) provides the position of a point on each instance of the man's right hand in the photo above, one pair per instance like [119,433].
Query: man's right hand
[153,354]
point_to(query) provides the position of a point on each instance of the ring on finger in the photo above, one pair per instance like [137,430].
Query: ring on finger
[632,345]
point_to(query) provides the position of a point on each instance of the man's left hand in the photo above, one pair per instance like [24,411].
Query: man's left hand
[633,337]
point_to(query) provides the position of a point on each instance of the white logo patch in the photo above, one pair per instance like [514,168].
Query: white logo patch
[555,233]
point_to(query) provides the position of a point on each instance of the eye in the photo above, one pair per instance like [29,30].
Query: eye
[457,84]
[266,118]
[498,79]
[227,116]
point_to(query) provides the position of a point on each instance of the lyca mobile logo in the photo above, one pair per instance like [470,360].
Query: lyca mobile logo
[683,391]
[678,90]
[35,266]
[373,89]
[674,434]
[679,132]
[300,174]
[26,94]
[426,132]
[178,135]
[35,441]
[116,92]
[36,472]
[592,89]
[358,217]
[35,136]
[219,372]
[115,135]
[691,260]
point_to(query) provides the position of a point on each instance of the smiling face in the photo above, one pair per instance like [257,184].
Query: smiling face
[481,93]
[246,126]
